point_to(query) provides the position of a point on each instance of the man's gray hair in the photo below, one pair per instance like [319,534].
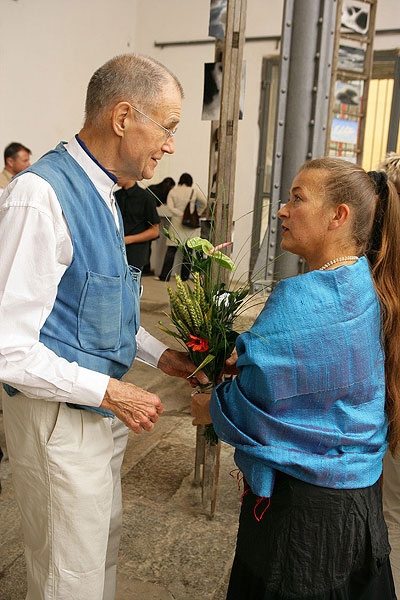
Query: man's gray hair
[130,77]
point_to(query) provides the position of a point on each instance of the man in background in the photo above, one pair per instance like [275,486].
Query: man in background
[141,222]
[16,159]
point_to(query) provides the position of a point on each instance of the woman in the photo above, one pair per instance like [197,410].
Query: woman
[177,201]
[306,413]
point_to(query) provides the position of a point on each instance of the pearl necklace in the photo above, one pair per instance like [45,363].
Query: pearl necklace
[337,260]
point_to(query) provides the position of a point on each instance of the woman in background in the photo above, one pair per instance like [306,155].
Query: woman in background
[177,201]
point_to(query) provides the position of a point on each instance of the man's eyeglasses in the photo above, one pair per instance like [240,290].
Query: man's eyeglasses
[169,133]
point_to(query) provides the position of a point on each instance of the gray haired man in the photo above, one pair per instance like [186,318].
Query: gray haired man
[69,330]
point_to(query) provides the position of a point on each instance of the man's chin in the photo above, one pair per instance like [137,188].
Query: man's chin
[148,173]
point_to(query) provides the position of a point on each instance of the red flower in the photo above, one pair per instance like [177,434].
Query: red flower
[198,344]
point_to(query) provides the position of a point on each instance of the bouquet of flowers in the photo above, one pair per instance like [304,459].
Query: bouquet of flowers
[203,312]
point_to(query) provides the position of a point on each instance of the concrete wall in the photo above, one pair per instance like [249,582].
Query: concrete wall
[50,48]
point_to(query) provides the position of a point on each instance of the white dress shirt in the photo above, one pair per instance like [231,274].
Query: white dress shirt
[35,250]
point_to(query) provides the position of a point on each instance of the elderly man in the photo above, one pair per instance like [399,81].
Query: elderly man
[16,159]
[69,330]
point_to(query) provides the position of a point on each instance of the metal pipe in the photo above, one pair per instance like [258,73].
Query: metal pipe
[256,38]
[296,147]
[395,112]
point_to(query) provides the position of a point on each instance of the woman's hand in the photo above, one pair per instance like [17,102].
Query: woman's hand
[178,364]
[230,364]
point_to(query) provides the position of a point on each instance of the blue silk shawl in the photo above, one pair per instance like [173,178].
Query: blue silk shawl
[309,400]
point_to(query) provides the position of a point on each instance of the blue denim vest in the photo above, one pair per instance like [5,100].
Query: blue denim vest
[95,316]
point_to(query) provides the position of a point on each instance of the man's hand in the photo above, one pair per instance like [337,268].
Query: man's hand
[176,363]
[134,406]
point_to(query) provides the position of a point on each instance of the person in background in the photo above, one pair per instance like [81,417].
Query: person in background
[162,189]
[16,159]
[160,192]
[391,464]
[70,329]
[177,200]
[141,222]
[318,384]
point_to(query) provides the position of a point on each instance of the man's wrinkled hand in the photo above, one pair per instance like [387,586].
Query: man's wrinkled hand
[134,406]
[178,364]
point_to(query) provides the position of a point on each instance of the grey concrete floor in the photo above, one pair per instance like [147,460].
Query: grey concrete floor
[170,547]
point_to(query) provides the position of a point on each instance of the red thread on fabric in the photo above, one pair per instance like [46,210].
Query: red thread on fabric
[259,500]
[239,476]
[243,495]
[237,471]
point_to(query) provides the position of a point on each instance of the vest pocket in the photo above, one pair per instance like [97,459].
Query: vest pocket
[100,309]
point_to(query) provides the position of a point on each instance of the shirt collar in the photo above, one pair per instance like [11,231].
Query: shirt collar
[86,149]
[129,192]
[102,179]
[8,174]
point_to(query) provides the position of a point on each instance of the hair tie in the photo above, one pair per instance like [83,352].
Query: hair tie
[382,190]
[380,180]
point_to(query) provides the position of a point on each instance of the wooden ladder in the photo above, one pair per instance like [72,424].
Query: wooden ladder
[358,76]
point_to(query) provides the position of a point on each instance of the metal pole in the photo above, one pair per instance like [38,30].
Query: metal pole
[308,30]
[395,112]
[263,273]
[299,113]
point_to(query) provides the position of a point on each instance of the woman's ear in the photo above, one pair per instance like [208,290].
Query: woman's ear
[120,118]
[340,217]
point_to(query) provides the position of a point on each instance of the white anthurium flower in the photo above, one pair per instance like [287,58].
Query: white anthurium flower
[222,299]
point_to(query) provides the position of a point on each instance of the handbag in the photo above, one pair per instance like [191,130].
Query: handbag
[190,219]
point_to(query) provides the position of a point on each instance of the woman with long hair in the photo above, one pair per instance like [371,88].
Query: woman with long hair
[178,198]
[318,397]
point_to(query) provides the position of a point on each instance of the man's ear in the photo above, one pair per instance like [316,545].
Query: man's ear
[9,162]
[340,217]
[120,118]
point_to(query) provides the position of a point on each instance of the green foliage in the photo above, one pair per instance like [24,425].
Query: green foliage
[203,313]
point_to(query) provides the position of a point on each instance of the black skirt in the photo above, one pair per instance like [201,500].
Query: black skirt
[312,543]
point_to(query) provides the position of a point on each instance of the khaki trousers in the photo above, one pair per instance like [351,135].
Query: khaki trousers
[66,472]
[391,511]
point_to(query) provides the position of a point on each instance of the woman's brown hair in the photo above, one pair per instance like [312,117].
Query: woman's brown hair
[376,230]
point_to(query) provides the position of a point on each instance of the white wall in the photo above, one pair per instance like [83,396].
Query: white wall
[48,52]
[387,17]
[50,48]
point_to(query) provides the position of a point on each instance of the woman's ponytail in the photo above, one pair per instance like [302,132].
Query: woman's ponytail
[383,253]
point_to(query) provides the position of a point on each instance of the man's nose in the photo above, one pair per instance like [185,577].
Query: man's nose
[169,145]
